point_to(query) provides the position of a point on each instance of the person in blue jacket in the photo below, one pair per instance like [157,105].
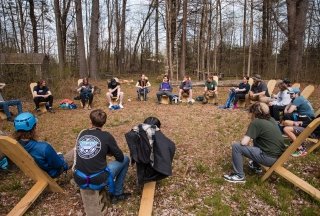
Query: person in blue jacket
[42,152]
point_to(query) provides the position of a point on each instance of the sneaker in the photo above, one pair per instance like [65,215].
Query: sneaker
[299,153]
[89,107]
[51,110]
[110,106]
[117,198]
[121,106]
[254,168]
[235,106]
[234,178]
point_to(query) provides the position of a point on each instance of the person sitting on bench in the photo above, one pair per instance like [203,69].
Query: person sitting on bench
[6,104]
[186,88]
[143,85]
[86,92]
[279,101]
[300,109]
[91,170]
[210,88]
[293,131]
[241,91]
[41,93]
[258,92]
[268,144]
[114,91]
[165,88]
[42,152]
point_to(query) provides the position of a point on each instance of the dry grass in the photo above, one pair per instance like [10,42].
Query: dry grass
[203,135]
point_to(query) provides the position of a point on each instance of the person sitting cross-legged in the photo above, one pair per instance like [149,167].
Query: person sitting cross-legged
[41,93]
[186,88]
[143,85]
[86,93]
[165,88]
[91,169]
[114,90]
[5,104]
[268,144]
[42,152]
[210,88]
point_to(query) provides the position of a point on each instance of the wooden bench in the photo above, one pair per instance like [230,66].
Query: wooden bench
[307,91]
[296,85]
[165,99]
[12,149]
[278,168]
[42,105]
[147,198]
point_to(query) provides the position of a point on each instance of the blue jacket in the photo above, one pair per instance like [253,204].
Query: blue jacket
[46,157]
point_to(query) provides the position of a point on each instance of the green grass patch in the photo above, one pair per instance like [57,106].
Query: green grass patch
[201,167]
[215,201]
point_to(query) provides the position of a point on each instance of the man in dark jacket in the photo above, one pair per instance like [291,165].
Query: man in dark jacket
[92,147]
[151,150]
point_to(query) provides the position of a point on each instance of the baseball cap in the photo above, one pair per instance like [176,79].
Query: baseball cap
[294,90]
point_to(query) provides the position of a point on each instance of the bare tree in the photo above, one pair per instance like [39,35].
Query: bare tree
[183,39]
[94,35]
[83,71]
[123,30]
[33,19]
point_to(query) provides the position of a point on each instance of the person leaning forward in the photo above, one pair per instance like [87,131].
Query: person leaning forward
[258,91]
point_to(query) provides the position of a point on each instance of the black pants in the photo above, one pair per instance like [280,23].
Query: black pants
[239,96]
[275,111]
[86,97]
[38,100]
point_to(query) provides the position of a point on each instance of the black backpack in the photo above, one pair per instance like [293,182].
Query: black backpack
[139,145]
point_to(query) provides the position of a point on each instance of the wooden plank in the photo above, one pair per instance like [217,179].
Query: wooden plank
[313,146]
[284,157]
[28,199]
[3,116]
[147,198]
[303,185]
[271,84]
[307,91]
[25,162]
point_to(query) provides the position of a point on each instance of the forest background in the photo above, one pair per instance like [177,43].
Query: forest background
[100,39]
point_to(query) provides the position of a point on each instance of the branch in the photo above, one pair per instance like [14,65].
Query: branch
[280,25]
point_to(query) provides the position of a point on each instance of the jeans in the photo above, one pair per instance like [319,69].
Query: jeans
[252,152]
[143,92]
[6,104]
[239,96]
[49,99]
[119,171]
[84,96]
[275,111]
[167,93]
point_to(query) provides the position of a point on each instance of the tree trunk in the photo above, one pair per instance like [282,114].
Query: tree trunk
[110,10]
[117,47]
[33,19]
[83,71]
[297,13]
[251,39]
[22,25]
[61,57]
[183,40]
[156,32]
[123,29]
[244,37]
[94,35]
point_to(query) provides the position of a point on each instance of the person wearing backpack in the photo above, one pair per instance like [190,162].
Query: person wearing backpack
[91,169]
[42,152]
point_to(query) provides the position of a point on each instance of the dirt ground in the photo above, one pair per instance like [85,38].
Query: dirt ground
[203,135]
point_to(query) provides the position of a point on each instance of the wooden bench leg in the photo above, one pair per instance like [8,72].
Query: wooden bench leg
[147,198]
[165,99]
[28,199]
[95,202]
